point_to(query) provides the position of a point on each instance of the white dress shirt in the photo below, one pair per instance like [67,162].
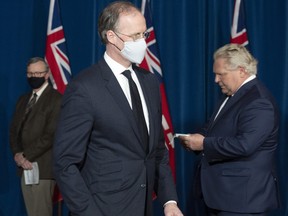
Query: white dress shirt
[39,92]
[117,70]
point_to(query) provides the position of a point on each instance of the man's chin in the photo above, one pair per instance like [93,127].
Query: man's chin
[224,91]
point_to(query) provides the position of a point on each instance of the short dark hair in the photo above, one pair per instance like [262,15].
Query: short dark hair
[108,18]
[38,59]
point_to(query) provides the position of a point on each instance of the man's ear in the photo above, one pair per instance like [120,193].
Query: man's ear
[47,75]
[111,36]
[243,72]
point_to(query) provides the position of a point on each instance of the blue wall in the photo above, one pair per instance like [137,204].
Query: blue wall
[187,31]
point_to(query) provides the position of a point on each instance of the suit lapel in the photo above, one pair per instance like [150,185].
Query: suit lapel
[117,93]
[21,110]
[37,106]
[231,102]
[224,109]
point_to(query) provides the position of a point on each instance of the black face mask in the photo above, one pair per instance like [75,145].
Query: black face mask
[36,82]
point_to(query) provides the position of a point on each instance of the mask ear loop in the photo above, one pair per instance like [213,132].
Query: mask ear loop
[114,44]
[119,37]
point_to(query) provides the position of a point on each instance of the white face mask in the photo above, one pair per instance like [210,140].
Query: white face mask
[134,51]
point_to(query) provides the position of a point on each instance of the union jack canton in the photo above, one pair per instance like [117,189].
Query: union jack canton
[56,50]
[238,30]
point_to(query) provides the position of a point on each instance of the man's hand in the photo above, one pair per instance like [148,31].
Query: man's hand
[21,161]
[192,142]
[171,209]
[19,158]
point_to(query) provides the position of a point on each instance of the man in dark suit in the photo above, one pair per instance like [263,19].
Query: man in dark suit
[239,142]
[109,154]
[31,137]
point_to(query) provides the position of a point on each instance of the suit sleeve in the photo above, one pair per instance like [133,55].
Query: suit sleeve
[71,139]
[254,124]
[16,119]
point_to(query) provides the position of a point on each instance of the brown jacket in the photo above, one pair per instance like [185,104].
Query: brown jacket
[38,130]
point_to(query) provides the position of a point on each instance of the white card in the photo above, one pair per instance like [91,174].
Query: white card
[180,134]
[32,176]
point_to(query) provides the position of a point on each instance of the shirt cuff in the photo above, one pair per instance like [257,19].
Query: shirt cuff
[170,201]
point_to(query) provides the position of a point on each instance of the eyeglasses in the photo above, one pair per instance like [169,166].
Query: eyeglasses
[137,36]
[36,74]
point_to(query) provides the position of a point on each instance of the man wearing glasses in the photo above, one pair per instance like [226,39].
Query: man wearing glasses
[31,138]
[109,152]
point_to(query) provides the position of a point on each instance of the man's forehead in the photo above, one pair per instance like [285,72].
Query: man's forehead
[133,19]
[36,65]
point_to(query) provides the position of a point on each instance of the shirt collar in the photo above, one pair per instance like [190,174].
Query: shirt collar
[40,91]
[116,68]
[246,81]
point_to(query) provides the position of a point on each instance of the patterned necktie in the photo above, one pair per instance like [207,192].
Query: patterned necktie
[31,104]
[137,109]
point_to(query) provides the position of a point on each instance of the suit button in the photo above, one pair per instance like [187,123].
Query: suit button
[143,185]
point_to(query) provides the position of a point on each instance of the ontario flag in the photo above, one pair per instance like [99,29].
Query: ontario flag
[238,30]
[55,55]
[151,63]
[56,58]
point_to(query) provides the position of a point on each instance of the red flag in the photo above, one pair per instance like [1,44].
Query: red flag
[57,59]
[56,49]
[151,63]
[238,30]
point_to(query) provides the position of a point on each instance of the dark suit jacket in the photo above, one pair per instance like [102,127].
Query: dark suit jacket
[238,166]
[99,163]
[38,131]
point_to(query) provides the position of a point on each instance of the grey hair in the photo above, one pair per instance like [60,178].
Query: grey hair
[38,59]
[108,19]
[237,56]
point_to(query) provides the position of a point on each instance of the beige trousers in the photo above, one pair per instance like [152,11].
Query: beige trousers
[38,198]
